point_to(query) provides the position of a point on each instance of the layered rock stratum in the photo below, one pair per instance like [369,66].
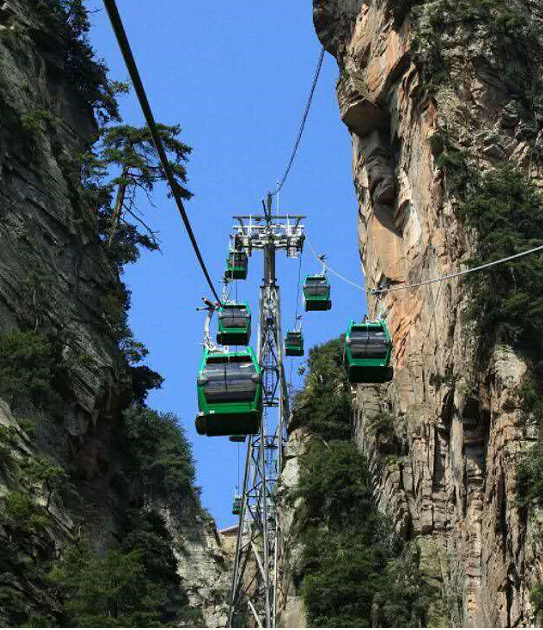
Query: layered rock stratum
[55,278]
[451,484]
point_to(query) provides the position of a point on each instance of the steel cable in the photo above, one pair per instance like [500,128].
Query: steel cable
[458,273]
[124,45]
[333,271]
[302,125]
[435,280]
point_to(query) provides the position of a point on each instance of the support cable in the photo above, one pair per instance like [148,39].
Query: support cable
[124,45]
[424,283]
[283,179]
[333,271]
[458,273]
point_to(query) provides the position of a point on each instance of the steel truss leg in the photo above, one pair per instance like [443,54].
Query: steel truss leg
[256,575]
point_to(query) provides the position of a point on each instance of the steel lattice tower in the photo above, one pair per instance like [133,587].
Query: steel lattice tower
[256,578]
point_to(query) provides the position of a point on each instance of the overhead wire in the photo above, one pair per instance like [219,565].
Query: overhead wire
[332,270]
[423,283]
[126,50]
[458,273]
[303,122]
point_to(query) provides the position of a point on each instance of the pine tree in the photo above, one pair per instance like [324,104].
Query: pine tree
[130,152]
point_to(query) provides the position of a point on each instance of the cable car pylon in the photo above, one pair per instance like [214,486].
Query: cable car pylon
[256,577]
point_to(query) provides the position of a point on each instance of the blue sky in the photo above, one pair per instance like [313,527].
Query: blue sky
[236,77]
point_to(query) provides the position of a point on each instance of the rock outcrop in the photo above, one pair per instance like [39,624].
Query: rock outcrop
[204,563]
[53,274]
[56,278]
[291,606]
[450,484]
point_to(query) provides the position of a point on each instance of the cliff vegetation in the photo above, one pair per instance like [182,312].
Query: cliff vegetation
[98,503]
[443,103]
[354,570]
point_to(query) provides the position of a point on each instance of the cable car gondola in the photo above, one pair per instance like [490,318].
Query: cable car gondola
[236,506]
[237,438]
[229,393]
[316,291]
[294,343]
[237,265]
[234,324]
[368,350]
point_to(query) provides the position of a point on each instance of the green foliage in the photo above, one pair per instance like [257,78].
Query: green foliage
[36,296]
[536,595]
[324,404]
[131,150]
[146,532]
[143,380]
[340,587]
[69,19]
[529,480]
[125,166]
[8,437]
[453,162]
[404,599]
[504,209]
[38,121]
[444,26]
[158,451]
[353,571]
[111,592]
[29,427]
[21,516]
[114,311]
[352,563]
[333,482]
[43,472]
[382,425]
[531,395]
[401,9]
[29,370]
[25,549]
[437,380]
[131,585]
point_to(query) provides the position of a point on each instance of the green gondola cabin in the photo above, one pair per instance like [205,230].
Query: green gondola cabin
[316,290]
[239,439]
[368,351]
[236,506]
[294,343]
[237,265]
[229,389]
[234,324]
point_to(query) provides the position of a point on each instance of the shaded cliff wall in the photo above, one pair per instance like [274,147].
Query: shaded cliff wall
[55,279]
[452,484]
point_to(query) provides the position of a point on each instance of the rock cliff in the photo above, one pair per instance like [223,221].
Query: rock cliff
[415,78]
[56,281]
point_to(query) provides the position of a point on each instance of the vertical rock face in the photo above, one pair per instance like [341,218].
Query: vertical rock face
[56,278]
[203,562]
[291,607]
[452,485]
[50,254]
